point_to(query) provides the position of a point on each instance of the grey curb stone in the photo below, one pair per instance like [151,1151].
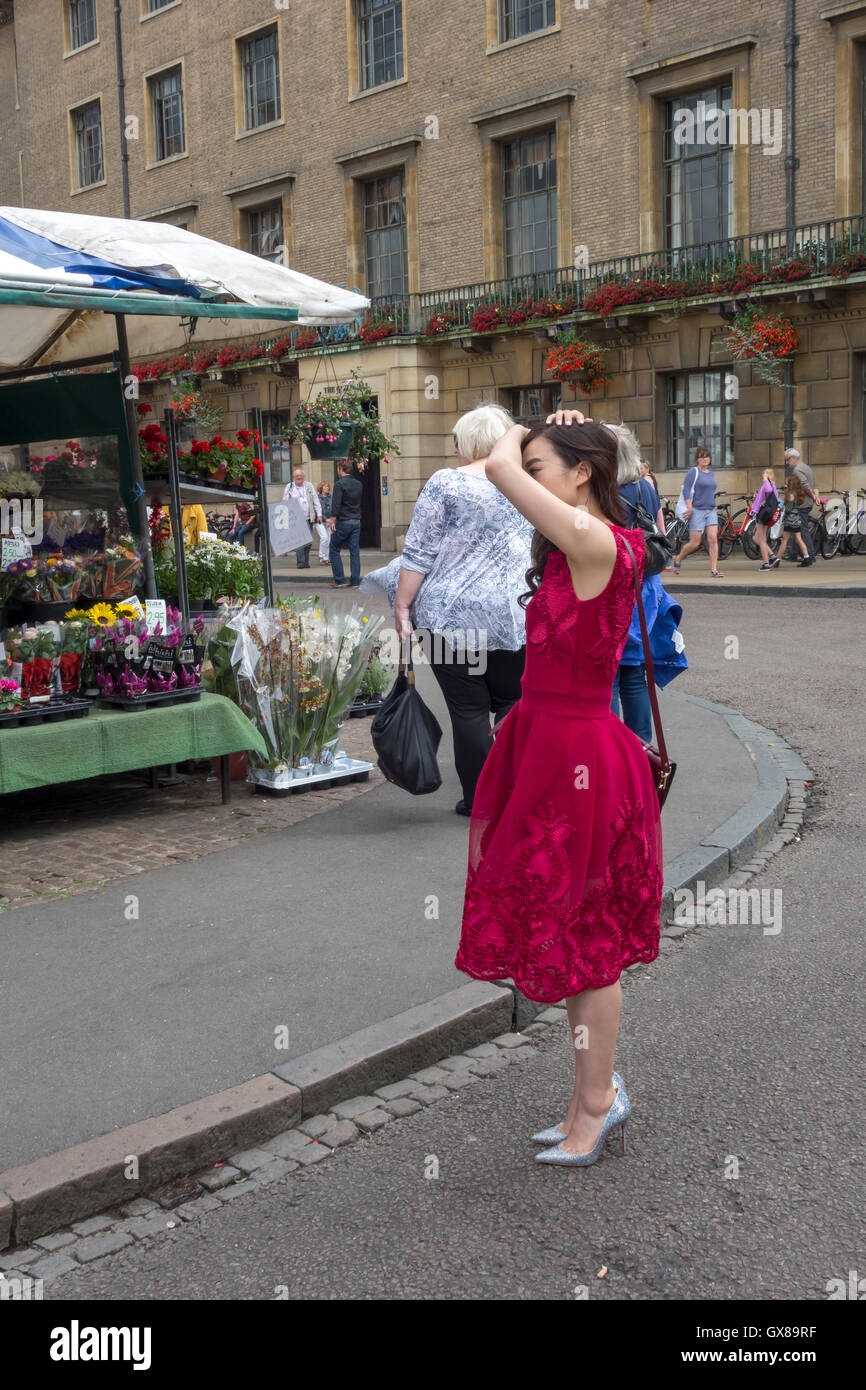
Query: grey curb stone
[22,1258]
[313,1153]
[52,1267]
[343,1132]
[251,1159]
[155,1225]
[358,1105]
[55,1242]
[432,1076]
[483,1050]
[317,1125]
[188,1211]
[456,1064]
[402,1106]
[143,1206]
[460,1078]
[214,1178]
[372,1120]
[7,1211]
[104,1244]
[386,1051]
[288,1145]
[75,1183]
[523,1054]
[272,1172]
[552,1015]
[238,1189]
[399,1090]
[491,1066]
[509,1040]
[428,1094]
[91,1226]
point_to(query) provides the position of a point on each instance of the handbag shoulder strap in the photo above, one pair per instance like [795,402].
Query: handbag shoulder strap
[651,683]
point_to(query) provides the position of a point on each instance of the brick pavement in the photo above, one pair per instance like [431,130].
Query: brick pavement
[78,836]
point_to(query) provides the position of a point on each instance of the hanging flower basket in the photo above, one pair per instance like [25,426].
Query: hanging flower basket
[331,445]
[764,340]
[575,360]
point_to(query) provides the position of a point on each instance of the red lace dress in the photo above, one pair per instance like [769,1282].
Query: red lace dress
[564,883]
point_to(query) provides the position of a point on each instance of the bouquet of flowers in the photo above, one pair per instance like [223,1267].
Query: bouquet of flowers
[73,646]
[63,577]
[121,571]
[35,649]
[298,669]
[25,578]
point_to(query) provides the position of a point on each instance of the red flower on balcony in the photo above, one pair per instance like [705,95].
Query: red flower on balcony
[258,467]
[486,318]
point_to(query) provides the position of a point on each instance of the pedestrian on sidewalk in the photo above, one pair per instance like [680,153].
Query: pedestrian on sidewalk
[345,525]
[765,509]
[458,581]
[646,472]
[794,466]
[661,613]
[699,498]
[564,880]
[322,529]
[302,492]
[792,520]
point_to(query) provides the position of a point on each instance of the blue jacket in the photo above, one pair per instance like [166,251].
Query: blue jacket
[663,614]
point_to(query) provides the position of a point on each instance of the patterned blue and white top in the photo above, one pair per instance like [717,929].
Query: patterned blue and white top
[474,547]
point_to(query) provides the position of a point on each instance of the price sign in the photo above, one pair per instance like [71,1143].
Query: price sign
[155,613]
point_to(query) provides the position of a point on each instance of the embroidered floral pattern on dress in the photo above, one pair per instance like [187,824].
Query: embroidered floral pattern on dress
[553,609]
[553,954]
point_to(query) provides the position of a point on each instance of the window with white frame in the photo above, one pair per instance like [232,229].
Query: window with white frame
[380,41]
[265,231]
[529,212]
[87,124]
[169,137]
[700,410]
[385,245]
[517,18]
[82,23]
[260,63]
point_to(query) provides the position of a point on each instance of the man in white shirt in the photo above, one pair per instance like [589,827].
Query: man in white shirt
[299,490]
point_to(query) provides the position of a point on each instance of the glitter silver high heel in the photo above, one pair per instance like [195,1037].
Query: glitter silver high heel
[555,1135]
[617,1115]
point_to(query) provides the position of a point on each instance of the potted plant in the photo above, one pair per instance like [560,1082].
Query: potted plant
[335,427]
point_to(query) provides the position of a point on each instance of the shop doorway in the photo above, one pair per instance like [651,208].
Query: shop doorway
[371,497]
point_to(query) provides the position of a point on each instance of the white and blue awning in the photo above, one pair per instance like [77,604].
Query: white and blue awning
[56,268]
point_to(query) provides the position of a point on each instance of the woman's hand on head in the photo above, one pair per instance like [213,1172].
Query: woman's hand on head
[568,417]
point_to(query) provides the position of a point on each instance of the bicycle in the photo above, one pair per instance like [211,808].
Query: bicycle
[738,529]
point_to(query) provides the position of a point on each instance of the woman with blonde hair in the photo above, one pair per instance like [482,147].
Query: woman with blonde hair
[458,581]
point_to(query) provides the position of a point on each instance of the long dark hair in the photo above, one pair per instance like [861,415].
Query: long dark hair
[594,445]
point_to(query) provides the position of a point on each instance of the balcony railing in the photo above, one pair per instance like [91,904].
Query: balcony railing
[719,269]
[788,253]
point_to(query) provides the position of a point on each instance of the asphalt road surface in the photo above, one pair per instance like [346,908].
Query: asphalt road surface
[735,1046]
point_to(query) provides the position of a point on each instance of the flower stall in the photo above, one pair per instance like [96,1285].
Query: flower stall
[82,627]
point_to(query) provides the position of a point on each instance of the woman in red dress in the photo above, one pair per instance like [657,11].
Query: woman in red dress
[564,882]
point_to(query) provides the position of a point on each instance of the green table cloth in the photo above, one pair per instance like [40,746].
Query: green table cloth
[121,741]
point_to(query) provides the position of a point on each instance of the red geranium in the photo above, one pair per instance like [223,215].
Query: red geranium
[258,467]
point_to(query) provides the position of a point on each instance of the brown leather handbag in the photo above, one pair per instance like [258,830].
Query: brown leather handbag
[662,768]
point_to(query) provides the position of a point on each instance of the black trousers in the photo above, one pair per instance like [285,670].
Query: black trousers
[471,698]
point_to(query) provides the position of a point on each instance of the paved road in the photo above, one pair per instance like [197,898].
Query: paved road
[733,1044]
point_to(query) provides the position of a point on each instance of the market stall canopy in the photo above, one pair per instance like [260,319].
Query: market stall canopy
[63,274]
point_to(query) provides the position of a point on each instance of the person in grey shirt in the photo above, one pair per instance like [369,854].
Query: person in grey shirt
[795,464]
[457,581]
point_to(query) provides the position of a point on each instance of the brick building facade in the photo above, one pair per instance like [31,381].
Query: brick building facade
[406,149]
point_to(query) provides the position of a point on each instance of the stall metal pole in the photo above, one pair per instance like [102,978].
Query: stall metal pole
[177,514]
[264,526]
[135,455]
